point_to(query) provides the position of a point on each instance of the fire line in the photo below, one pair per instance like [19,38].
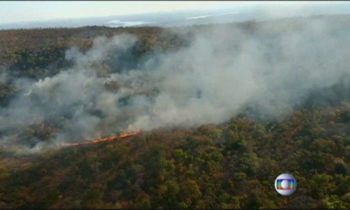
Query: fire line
[104,139]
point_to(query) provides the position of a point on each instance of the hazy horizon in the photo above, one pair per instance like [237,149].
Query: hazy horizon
[118,14]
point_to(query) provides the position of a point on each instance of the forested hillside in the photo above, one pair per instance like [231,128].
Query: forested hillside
[214,166]
[229,164]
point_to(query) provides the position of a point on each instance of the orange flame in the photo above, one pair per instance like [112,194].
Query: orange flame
[104,139]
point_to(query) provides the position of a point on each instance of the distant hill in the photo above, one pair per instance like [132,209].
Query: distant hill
[14,42]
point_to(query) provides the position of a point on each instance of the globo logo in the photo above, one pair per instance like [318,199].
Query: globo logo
[285,184]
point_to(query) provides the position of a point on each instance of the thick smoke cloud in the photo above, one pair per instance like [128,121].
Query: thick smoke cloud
[269,66]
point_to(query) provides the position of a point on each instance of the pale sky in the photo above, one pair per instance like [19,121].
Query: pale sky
[19,11]
[45,10]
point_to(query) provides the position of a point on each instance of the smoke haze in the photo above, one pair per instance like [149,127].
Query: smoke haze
[269,66]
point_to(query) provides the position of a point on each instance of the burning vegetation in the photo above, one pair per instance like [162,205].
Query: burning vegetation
[115,137]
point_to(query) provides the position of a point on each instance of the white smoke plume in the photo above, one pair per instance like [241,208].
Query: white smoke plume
[268,66]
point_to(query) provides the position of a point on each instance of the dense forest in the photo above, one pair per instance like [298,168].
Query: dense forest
[226,165]
[214,166]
